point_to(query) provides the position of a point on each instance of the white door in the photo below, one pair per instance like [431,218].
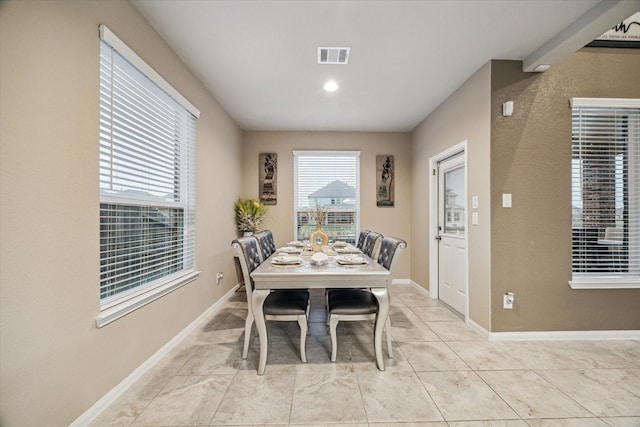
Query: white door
[452,247]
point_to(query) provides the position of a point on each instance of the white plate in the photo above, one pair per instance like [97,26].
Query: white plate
[339,244]
[350,260]
[347,250]
[296,243]
[286,260]
[290,250]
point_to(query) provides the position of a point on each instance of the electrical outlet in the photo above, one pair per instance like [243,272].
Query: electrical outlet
[219,277]
[507,300]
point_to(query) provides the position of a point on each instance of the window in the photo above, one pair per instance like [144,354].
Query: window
[330,179]
[605,189]
[147,183]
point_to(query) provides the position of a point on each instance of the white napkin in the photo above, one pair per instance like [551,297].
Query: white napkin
[350,259]
[290,250]
[348,250]
[285,259]
[319,258]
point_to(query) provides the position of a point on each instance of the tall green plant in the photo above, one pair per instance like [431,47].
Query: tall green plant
[249,214]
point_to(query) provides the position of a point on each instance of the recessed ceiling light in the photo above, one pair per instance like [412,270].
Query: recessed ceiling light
[331,86]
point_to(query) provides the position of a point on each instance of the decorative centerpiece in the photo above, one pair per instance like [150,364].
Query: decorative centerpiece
[319,238]
[249,214]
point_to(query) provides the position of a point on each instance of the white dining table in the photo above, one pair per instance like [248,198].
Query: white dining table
[307,275]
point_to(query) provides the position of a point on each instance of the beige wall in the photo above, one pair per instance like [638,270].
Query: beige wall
[54,362]
[525,249]
[465,115]
[531,159]
[389,221]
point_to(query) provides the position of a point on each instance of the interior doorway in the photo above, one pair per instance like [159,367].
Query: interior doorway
[448,232]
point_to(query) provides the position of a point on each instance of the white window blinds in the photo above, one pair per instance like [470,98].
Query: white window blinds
[330,179]
[605,189]
[147,177]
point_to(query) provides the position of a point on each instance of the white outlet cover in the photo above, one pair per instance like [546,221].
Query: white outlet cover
[506,200]
[507,302]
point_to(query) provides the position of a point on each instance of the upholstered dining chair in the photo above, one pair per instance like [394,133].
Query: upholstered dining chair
[280,305]
[266,242]
[361,239]
[371,245]
[361,304]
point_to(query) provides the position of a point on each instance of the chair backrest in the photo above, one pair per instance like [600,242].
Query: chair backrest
[250,258]
[372,244]
[362,238]
[390,248]
[266,243]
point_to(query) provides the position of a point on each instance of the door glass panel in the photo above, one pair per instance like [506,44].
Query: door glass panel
[454,201]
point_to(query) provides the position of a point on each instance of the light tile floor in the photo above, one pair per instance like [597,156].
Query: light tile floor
[443,374]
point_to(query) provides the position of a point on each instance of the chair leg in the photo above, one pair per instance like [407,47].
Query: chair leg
[326,304]
[333,325]
[387,332]
[302,321]
[248,323]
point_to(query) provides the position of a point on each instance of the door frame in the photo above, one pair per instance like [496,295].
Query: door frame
[461,147]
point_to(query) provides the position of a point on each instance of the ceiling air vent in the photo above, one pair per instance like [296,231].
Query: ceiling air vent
[333,55]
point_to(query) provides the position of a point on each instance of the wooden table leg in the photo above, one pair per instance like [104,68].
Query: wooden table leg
[259,295]
[383,311]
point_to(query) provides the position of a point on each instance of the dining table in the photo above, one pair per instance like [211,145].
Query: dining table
[309,274]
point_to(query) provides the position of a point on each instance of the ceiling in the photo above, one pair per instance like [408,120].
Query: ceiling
[259,58]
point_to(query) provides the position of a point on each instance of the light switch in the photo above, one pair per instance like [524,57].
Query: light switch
[506,200]
[474,202]
[507,108]
[474,218]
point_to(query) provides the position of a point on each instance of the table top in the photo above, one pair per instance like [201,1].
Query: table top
[330,275]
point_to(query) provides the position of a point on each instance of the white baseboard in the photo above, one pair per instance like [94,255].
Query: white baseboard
[90,414]
[564,335]
[409,282]
[541,335]
[479,329]
[420,288]
[554,335]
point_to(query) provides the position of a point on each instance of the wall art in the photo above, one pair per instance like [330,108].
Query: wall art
[384,181]
[268,178]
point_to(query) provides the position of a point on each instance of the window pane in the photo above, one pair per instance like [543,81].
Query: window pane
[605,185]
[332,181]
[147,191]
[454,201]
[138,244]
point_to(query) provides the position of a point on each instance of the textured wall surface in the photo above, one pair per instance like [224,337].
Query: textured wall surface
[531,159]
[54,362]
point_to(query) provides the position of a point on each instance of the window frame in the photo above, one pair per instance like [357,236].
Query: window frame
[120,304]
[611,280]
[332,211]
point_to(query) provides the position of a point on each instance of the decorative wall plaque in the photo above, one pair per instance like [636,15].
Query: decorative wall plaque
[384,181]
[268,178]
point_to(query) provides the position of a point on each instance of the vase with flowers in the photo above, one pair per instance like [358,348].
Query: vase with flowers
[318,238]
[249,214]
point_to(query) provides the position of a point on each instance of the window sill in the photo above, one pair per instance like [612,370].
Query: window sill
[605,282]
[114,311]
